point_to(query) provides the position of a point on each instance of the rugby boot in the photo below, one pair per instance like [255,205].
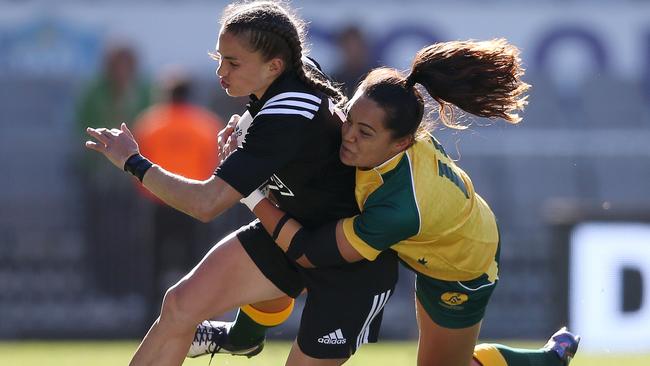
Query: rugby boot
[211,337]
[564,344]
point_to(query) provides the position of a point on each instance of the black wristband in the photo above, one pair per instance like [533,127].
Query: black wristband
[137,165]
[279,226]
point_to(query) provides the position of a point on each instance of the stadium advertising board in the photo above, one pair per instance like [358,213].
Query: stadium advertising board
[609,291]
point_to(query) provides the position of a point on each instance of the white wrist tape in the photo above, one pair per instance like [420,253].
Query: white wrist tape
[253,199]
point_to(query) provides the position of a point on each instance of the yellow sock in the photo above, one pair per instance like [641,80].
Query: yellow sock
[250,326]
[489,355]
[268,319]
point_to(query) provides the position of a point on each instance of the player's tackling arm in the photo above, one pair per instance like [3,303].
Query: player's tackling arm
[325,246]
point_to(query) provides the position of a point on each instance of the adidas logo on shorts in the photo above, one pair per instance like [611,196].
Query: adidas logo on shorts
[336,337]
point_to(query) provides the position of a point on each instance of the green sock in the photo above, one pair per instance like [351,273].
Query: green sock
[528,357]
[245,331]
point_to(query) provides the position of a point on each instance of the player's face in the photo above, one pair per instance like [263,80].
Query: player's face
[242,72]
[367,143]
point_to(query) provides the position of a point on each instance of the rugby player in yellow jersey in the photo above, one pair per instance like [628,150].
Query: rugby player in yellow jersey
[416,201]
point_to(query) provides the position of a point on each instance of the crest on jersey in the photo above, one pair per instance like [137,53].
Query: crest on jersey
[276,184]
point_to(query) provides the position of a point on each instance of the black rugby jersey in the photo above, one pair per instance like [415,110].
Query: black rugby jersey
[293,145]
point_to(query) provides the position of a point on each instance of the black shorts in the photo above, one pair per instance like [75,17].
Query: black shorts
[270,259]
[344,305]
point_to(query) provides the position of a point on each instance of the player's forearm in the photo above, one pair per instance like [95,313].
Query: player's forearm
[323,247]
[202,200]
[269,215]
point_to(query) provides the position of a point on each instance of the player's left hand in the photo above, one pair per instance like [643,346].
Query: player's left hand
[227,140]
[116,144]
[228,147]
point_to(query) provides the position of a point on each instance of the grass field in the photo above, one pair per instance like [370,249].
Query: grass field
[118,353]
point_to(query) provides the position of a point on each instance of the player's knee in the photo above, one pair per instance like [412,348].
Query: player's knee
[173,312]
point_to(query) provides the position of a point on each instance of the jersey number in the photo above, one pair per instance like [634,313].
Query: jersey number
[445,171]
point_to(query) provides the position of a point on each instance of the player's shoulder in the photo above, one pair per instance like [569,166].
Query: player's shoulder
[397,191]
[292,98]
[292,102]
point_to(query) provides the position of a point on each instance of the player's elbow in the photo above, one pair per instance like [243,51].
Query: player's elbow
[204,217]
[203,208]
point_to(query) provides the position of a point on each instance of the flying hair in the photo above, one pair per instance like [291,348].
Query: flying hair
[482,78]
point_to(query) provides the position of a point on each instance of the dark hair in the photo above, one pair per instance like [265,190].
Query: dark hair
[481,78]
[180,91]
[273,30]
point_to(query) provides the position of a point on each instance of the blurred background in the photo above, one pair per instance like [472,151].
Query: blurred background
[85,253]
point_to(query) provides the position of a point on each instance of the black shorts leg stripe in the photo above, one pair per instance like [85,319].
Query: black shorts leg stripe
[377,305]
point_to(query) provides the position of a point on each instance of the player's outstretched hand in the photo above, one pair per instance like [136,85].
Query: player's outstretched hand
[226,141]
[116,144]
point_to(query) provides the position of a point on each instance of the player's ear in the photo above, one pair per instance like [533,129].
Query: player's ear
[276,66]
[403,143]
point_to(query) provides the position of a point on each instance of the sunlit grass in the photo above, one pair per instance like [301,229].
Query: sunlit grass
[77,353]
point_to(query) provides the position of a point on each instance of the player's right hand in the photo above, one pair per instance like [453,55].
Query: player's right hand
[116,144]
[226,141]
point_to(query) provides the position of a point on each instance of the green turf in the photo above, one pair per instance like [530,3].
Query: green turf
[118,353]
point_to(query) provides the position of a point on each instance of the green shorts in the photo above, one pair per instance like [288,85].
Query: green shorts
[455,304]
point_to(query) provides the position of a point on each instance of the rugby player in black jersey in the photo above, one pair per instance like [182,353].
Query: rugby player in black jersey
[292,146]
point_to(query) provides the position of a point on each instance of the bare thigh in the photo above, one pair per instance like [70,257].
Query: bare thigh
[298,358]
[224,279]
[439,346]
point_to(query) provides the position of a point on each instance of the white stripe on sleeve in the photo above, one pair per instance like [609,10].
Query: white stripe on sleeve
[295,95]
[293,103]
[286,111]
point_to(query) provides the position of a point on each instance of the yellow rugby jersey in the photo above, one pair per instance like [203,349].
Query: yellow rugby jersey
[420,204]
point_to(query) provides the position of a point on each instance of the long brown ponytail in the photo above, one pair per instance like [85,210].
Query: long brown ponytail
[481,78]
